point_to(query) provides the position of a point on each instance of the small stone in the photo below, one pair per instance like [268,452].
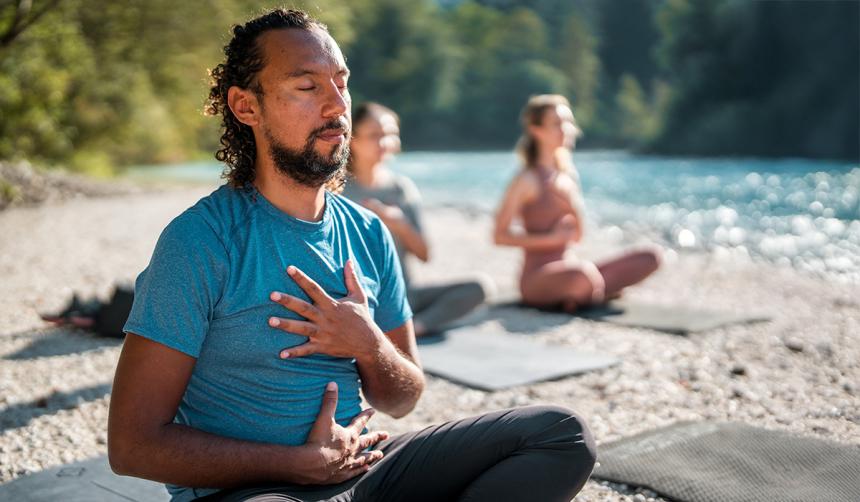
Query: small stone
[742,393]
[794,344]
[739,370]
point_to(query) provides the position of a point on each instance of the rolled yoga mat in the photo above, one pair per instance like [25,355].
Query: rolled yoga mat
[733,462]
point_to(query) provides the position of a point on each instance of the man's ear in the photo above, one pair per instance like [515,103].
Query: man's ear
[244,105]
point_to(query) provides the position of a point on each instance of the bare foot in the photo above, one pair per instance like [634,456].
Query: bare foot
[569,306]
[73,320]
[616,295]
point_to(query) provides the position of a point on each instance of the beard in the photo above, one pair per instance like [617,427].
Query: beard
[307,166]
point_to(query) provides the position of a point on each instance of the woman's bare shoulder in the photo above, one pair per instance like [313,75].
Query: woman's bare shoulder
[525,179]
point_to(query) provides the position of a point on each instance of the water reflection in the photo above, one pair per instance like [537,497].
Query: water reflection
[792,212]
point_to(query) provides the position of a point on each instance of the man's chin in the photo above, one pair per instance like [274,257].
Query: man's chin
[331,153]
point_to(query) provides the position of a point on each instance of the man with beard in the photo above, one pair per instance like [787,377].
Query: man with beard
[268,306]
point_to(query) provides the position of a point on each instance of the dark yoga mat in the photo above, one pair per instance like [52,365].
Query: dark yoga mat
[87,481]
[732,462]
[676,319]
[671,319]
[493,360]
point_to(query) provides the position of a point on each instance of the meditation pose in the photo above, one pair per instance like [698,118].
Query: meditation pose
[395,199]
[546,197]
[272,303]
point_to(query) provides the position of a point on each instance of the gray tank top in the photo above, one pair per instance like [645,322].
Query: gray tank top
[394,190]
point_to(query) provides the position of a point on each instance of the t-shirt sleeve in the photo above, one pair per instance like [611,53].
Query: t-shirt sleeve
[392,309]
[175,296]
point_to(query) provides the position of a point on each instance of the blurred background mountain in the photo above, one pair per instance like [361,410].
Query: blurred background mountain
[98,85]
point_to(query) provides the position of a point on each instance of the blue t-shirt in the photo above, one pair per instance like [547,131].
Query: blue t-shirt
[206,293]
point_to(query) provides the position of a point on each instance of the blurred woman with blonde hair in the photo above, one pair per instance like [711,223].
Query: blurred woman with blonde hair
[546,197]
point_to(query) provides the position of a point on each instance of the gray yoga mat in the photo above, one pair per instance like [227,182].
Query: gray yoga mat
[87,481]
[671,319]
[732,462]
[493,360]
[676,319]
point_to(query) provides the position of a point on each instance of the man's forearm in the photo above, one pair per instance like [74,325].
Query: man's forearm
[392,383]
[185,456]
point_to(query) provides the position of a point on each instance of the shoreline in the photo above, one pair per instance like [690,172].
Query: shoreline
[798,372]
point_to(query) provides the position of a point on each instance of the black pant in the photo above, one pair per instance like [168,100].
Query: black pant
[536,453]
[439,305]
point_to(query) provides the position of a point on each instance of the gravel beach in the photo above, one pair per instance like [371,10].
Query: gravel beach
[799,372]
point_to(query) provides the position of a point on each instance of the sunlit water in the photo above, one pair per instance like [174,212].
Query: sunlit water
[792,212]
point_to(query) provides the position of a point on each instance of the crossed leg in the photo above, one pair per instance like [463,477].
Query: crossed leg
[532,453]
[572,285]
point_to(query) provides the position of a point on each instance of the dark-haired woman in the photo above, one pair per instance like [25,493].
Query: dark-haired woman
[395,199]
[546,197]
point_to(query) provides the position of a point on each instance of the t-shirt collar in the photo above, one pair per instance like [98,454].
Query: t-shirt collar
[304,226]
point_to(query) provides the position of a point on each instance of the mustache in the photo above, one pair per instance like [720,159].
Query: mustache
[335,125]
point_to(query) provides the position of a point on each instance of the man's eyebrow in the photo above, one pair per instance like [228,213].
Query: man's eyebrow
[301,72]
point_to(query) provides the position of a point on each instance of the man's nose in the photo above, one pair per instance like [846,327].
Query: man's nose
[336,101]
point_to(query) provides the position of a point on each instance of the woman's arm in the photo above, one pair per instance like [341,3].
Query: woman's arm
[401,228]
[521,190]
[576,203]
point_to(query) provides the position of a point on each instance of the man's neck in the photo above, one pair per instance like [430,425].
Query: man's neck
[297,200]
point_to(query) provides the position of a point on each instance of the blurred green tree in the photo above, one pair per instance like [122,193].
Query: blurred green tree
[94,85]
[761,78]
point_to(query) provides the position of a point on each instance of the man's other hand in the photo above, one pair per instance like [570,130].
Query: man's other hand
[339,328]
[341,450]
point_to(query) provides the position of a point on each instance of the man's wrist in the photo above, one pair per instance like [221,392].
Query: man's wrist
[302,465]
[376,346]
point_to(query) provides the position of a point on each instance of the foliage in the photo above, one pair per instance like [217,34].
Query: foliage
[761,78]
[95,85]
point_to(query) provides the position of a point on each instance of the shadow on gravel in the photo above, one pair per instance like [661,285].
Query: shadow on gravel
[53,342]
[19,415]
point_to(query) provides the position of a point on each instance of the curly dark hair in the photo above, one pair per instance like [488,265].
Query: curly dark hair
[244,60]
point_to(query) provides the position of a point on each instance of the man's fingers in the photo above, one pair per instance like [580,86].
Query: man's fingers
[366,458]
[297,305]
[329,403]
[303,328]
[350,277]
[350,473]
[314,291]
[371,438]
[360,421]
[302,350]
[360,464]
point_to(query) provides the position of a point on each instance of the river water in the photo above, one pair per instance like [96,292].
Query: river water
[792,212]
